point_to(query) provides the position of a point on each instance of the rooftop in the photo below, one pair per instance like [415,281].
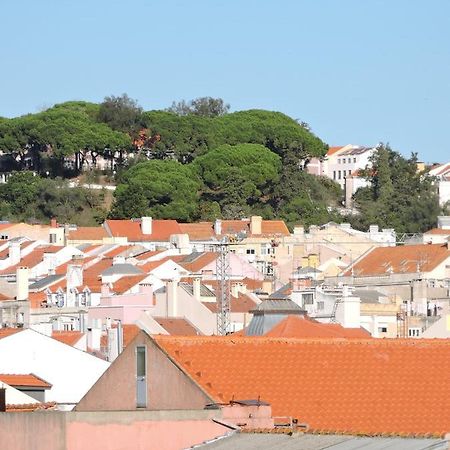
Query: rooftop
[24,380]
[370,386]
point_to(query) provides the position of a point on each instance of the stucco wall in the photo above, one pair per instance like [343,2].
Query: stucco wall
[167,386]
[160,430]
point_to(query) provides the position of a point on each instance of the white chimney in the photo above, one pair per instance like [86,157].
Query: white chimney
[14,253]
[218,227]
[299,230]
[256,225]
[94,338]
[22,283]
[348,313]
[74,275]
[146,225]
[196,285]
[235,290]
[172,298]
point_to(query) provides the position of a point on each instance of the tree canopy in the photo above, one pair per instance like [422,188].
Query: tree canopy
[202,106]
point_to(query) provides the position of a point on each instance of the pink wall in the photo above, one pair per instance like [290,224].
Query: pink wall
[141,435]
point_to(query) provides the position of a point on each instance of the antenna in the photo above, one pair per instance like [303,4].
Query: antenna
[223,287]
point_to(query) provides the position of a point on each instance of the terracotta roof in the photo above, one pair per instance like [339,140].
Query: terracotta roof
[402,259]
[371,386]
[67,337]
[25,380]
[5,332]
[196,264]
[177,326]
[30,407]
[125,283]
[201,231]
[304,328]
[333,150]
[36,299]
[438,231]
[241,304]
[161,230]
[33,258]
[5,297]
[88,234]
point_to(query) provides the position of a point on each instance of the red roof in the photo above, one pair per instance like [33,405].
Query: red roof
[125,283]
[5,332]
[241,304]
[67,337]
[131,229]
[303,328]
[30,380]
[371,386]
[88,234]
[333,150]
[199,263]
[30,407]
[177,326]
[401,259]
[438,231]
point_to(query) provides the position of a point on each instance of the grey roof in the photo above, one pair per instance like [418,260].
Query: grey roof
[261,441]
[122,269]
[308,269]
[269,313]
[204,290]
[368,295]
[44,282]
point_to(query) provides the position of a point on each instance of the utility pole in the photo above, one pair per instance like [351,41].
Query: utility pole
[223,287]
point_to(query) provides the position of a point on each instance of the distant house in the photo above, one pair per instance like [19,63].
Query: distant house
[442,174]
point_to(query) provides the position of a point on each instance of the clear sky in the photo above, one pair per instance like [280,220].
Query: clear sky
[358,71]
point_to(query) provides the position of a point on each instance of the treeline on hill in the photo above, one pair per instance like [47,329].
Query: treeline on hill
[193,161]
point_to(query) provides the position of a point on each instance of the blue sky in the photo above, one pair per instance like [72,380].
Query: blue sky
[358,71]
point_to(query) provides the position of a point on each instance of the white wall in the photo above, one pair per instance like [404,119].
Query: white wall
[72,372]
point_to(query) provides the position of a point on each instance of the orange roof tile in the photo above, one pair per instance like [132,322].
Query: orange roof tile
[161,230]
[33,258]
[5,297]
[30,407]
[177,326]
[333,150]
[36,299]
[370,386]
[303,328]
[201,231]
[26,380]
[199,263]
[125,283]
[402,259]
[5,332]
[240,304]
[67,337]
[88,234]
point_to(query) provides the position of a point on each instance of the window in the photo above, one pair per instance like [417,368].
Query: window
[343,161]
[382,329]
[339,174]
[308,299]
[320,306]
[68,327]
[354,160]
[4,237]
[52,238]
[414,332]
[339,161]
[141,376]
[334,174]
[250,251]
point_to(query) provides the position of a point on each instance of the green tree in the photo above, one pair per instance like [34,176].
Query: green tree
[121,113]
[238,177]
[162,189]
[398,196]
[202,106]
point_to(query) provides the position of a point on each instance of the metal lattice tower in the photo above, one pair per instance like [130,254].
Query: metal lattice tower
[223,288]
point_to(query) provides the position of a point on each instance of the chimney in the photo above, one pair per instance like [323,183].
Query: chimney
[256,225]
[348,191]
[299,230]
[94,338]
[2,399]
[106,290]
[235,290]
[172,297]
[14,253]
[373,229]
[74,275]
[146,225]
[218,227]
[196,285]
[348,313]
[22,283]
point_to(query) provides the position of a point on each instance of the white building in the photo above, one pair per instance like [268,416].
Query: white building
[442,173]
[70,371]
